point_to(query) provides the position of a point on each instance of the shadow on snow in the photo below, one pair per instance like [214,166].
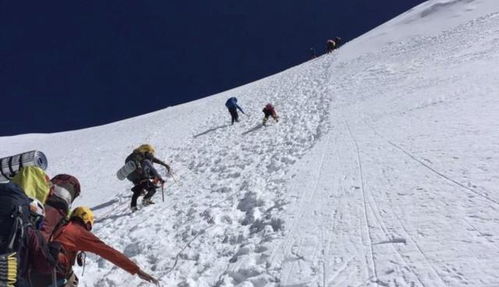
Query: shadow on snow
[210,130]
[255,128]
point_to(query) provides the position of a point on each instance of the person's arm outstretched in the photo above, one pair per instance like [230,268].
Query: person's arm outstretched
[155,160]
[91,243]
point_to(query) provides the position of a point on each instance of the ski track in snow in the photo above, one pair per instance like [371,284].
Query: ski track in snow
[382,171]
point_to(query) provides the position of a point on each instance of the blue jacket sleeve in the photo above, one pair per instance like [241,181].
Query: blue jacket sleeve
[237,106]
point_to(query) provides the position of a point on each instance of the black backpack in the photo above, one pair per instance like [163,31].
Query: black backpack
[14,221]
[138,173]
[143,166]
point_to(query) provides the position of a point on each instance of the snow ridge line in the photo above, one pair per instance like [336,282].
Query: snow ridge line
[366,217]
[432,169]
[406,232]
[443,175]
[427,260]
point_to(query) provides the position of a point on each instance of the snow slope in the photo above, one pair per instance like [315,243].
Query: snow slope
[381,172]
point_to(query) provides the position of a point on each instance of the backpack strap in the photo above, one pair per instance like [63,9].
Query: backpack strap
[25,253]
[63,222]
[17,242]
[10,166]
[17,230]
[1,169]
[21,161]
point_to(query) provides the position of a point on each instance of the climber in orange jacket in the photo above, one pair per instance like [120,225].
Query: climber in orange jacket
[76,236]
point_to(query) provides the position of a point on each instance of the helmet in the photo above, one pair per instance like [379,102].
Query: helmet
[69,183]
[145,148]
[85,214]
[37,212]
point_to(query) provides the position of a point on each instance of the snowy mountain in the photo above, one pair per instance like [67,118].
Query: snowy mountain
[381,172]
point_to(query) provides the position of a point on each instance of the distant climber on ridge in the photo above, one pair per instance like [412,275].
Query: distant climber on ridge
[145,177]
[333,44]
[313,55]
[232,106]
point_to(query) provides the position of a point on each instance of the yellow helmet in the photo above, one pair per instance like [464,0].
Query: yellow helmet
[85,214]
[145,148]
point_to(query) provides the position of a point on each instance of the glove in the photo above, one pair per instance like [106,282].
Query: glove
[157,180]
[168,168]
[80,258]
[147,277]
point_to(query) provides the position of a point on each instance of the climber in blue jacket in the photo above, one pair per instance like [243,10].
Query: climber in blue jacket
[232,105]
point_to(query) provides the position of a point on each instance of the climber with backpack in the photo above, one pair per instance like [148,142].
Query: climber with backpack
[269,111]
[232,106]
[338,42]
[76,237]
[65,189]
[22,248]
[333,44]
[144,177]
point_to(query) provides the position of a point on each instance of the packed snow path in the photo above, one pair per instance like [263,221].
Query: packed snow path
[233,181]
[381,172]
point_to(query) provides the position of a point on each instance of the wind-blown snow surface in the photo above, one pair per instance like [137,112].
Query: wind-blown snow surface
[381,172]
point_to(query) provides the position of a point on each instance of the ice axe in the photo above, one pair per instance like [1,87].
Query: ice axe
[172,175]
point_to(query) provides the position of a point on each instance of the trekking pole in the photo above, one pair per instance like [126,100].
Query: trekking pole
[163,191]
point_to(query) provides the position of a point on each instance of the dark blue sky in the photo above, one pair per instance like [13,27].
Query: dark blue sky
[74,64]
